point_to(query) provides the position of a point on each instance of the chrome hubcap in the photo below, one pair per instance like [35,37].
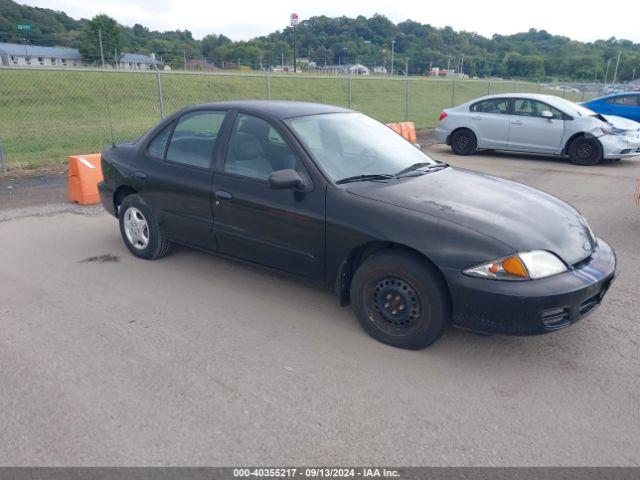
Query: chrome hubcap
[136,228]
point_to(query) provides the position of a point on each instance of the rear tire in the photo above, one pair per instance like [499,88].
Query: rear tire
[585,151]
[400,299]
[464,142]
[140,231]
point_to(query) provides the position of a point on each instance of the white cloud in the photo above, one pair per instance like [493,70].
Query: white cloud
[241,20]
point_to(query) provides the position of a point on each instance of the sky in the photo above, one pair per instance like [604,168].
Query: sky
[245,19]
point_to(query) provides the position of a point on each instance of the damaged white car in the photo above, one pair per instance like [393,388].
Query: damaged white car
[542,124]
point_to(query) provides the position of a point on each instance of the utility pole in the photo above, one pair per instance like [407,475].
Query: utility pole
[606,73]
[184,57]
[101,52]
[633,77]
[406,67]
[282,60]
[461,63]
[448,61]
[615,73]
[295,67]
[595,77]
[293,21]
[393,52]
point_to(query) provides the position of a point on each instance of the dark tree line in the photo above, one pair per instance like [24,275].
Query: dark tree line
[535,54]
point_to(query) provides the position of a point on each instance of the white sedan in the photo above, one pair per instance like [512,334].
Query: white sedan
[537,124]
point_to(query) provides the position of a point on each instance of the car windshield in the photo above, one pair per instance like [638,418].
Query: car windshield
[572,108]
[346,145]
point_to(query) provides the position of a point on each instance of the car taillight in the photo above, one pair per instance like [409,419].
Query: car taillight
[443,115]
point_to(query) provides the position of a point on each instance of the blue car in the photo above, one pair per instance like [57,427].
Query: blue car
[625,105]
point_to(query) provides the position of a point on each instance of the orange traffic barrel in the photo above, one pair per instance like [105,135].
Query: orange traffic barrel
[85,172]
[406,129]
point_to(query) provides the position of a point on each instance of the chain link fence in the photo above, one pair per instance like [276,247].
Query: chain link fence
[48,114]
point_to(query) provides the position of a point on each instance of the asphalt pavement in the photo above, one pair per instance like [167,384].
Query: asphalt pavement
[196,360]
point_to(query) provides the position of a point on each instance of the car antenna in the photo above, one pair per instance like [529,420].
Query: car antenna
[104,89]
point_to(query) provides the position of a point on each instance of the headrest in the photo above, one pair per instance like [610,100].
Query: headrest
[255,126]
[246,147]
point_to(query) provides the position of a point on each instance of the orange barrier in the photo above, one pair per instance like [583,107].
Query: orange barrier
[85,172]
[406,129]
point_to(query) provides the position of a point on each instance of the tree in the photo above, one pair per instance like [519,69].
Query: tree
[111,40]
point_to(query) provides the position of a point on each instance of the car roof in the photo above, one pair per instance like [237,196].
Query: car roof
[615,95]
[535,96]
[277,108]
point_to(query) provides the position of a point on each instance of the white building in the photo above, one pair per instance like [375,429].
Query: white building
[136,61]
[356,69]
[16,55]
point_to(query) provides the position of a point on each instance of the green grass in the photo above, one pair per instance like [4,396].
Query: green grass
[47,115]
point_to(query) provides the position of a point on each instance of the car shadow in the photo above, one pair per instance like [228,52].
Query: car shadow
[300,295]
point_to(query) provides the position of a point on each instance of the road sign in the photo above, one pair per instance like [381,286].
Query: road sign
[24,26]
[294,19]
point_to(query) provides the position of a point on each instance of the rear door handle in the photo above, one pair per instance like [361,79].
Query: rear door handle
[140,175]
[222,195]
[517,122]
[476,118]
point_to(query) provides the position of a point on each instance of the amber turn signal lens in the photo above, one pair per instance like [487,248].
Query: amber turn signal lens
[514,266]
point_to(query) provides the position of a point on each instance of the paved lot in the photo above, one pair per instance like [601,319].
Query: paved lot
[195,360]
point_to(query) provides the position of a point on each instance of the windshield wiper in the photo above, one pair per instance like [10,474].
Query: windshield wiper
[433,167]
[363,178]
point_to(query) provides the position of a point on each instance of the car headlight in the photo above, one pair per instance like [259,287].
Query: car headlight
[609,131]
[521,266]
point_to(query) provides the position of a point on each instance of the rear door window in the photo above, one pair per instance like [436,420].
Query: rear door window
[194,138]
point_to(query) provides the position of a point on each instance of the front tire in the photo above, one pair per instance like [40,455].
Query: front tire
[140,231]
[585,151]
[400,299]
[464,142]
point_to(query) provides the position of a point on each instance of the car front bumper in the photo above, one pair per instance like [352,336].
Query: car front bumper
[535,306]
[619,146]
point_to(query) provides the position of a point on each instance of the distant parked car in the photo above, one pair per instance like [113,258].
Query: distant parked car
[331,195]
[626,105]
[537,124]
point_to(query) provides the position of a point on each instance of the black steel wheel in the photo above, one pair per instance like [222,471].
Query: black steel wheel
[395,307]
[585,151]
[400,299]
[463,142]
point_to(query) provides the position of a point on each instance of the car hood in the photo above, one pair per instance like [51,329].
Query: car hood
[622,123]
[522,217]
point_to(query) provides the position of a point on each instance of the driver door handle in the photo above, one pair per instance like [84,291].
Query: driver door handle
[140,175]
[517,122]
[476,118]
[223,195]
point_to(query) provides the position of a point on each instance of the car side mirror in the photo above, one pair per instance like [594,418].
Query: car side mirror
[546,114]
[283,179]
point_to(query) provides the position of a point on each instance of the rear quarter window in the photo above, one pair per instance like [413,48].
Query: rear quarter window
[157,146]
[493,105]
